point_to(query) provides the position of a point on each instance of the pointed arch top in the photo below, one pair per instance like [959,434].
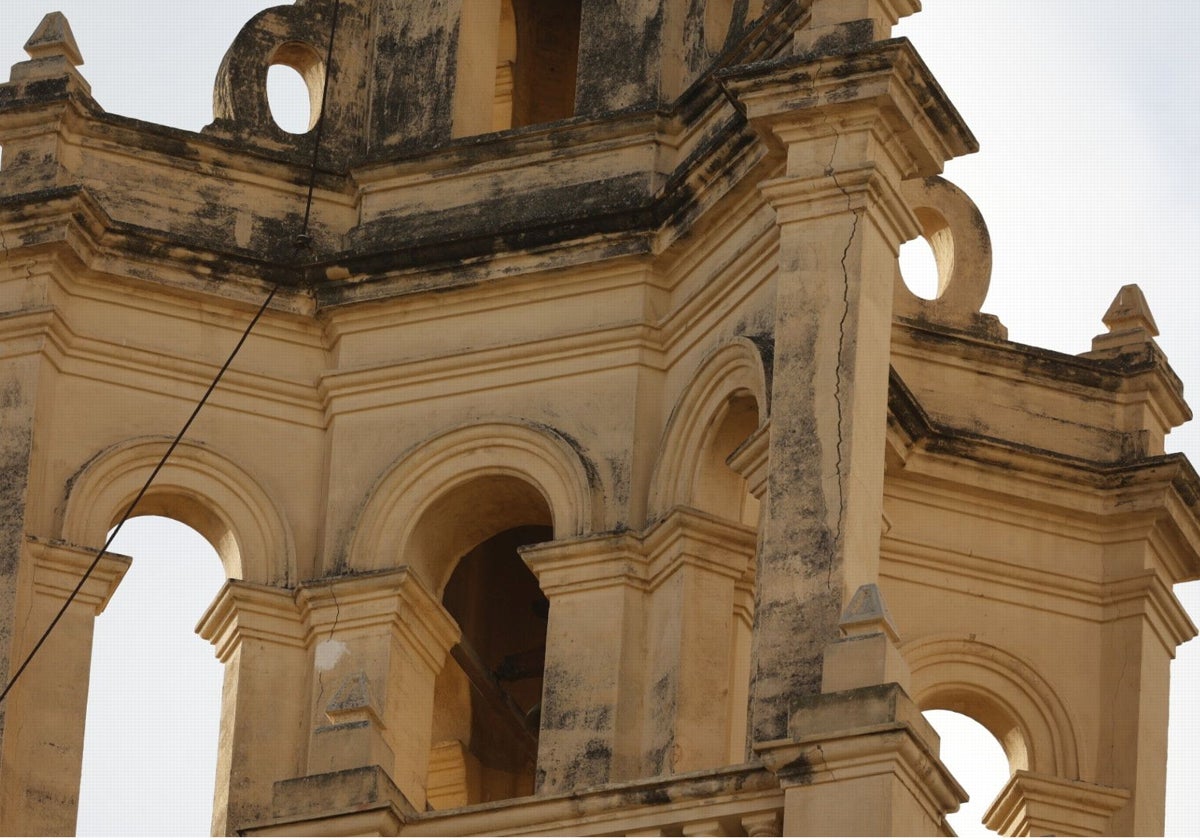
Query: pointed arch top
[197,486]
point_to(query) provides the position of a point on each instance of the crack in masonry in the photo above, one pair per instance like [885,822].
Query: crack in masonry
[831,172]
[1112,704]
[337,615]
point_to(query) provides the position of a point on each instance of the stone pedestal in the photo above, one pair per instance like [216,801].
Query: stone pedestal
[862,763]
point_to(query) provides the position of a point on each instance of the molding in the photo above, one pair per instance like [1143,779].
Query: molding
[1033,805]
[362,605]
[58,568]
[244,611]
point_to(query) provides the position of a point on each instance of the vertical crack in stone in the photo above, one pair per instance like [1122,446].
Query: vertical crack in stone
[831,171]
[337,615]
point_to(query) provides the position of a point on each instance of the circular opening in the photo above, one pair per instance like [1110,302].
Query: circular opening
[291,105]
[919,268]
[717,16]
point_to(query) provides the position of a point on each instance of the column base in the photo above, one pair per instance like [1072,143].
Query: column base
[862,763]
[363,801]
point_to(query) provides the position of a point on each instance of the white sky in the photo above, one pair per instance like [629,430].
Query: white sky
[1087,111]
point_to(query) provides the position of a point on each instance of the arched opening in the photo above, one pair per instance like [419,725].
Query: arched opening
[717,489]
[517,64]
[151,738]
[487,699]
[977,761]
[547,59]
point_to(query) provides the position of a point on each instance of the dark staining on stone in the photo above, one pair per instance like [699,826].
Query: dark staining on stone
[845,38]
[589,466]
[653,796]
[607,40]
[798,771]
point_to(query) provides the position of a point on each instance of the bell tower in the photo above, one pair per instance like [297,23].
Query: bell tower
[591,469]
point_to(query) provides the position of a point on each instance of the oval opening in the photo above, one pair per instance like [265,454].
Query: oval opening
[290,99]
[919,268]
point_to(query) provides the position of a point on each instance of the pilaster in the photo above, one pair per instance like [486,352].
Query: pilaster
[696,565]
[594,659]
[257,634]
[853,128]
[377,643]
[40,764]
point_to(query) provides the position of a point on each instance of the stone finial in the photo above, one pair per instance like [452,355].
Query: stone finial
[867,613]
[53,37]
[1129,321]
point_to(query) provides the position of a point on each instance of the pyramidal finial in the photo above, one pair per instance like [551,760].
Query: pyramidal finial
[353,701]
[1129,310]
[867,613]
[1129,321]
[52,37]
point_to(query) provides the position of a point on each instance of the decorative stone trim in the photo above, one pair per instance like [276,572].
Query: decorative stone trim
[58,567]
[251,611]
[1035,805]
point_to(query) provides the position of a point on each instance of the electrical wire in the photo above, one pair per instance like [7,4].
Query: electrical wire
[302,242]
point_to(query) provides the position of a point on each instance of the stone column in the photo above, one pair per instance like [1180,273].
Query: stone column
[853,127]
[377,642]
[696,563]
[591,700]
[256,632]
[43,754]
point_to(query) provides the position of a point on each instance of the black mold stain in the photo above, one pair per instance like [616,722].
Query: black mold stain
[798,771]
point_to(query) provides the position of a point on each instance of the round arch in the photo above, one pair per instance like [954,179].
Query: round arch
[457,477]
[1003,693]
[198,487]
[733,370]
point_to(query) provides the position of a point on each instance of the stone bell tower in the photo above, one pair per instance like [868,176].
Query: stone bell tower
[592,470]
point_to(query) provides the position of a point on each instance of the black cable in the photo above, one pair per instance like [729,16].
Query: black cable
[302,241]
[138,498]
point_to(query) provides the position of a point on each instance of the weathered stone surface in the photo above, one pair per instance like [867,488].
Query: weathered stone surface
[547,481]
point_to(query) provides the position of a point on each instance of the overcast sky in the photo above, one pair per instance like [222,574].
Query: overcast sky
[1087,113]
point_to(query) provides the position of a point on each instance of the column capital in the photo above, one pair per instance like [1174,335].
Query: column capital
[694,537]
[883,87]
[358,605]
[1032,804]
[243,611]
[58,567]
[576,565]
[750,460]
